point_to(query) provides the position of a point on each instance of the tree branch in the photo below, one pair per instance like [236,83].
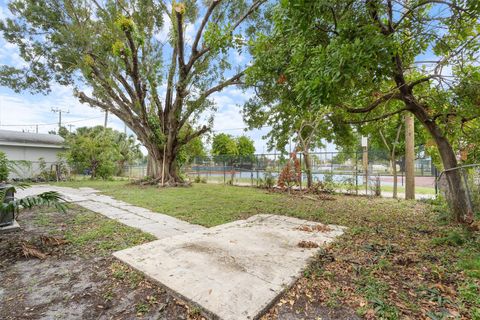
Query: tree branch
[198,36]
[424,3]
[232,81]
[375,104]
[203,51]
[180,42]
[192,136]
[377,118]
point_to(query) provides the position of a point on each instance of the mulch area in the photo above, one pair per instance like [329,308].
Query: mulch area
[44,276]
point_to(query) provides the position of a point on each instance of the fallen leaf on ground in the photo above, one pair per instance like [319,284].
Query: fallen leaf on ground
[307,244]
[31,251]
[317,227]
[52,241]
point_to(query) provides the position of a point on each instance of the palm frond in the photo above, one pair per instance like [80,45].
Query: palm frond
[49,199]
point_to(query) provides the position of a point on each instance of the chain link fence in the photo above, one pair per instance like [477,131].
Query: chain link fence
[39,171]
[345,170]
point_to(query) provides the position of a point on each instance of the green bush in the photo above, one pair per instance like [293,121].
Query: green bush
[268,181]
[106,170]
[4,167]
[199,179]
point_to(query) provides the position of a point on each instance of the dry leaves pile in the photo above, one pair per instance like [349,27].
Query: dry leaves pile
[386,266]
[308,244]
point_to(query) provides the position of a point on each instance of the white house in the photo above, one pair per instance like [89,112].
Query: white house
[26,149]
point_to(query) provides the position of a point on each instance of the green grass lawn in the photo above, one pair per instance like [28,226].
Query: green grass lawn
[400,189]
[213,204]
[398,259]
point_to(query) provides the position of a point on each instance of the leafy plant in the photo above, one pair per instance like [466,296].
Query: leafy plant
[49,198]
[4,167]
[45,174]
[199,179]
[328,183]
[376,187]
[350,185]
[291,173]
[268,181]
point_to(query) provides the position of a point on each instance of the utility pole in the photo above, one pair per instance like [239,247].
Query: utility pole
[409,157]
[55,110]
[70,127]
[106,119]
[409,151]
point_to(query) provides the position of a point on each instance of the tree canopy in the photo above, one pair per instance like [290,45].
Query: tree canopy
[114,55]
[224,145]
[360,61]
[100,151]
[245,146]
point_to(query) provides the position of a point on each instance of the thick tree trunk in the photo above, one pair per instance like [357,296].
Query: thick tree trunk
[457,196]
[308,169]
[163,170]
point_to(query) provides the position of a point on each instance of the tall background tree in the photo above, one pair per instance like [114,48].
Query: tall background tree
[354,57]
[245,146]
[111,51]
[224,145]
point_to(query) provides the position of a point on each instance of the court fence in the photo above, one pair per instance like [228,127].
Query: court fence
[346,170]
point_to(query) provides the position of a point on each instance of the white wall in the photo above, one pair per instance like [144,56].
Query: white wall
[30,153]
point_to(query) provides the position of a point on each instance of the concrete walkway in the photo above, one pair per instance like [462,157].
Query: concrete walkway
[160,225]
[234,271]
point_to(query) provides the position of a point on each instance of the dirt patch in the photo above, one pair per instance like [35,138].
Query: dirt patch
[78,278]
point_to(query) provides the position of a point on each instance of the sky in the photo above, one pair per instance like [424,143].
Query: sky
[24,111]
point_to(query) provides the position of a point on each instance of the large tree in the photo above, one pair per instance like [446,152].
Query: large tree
[356,56]
[278,105]
[113,53]
[245,146]
[224,145]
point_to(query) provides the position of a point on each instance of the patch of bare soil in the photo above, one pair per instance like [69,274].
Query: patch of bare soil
[68,284]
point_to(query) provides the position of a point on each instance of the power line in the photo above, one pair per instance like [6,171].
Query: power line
[55,110]
[48,124]
[233,129]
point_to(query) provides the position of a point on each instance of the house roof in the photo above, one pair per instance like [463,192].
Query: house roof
[13,138]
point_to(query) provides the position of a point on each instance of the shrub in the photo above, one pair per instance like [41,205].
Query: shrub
[291,173]
[268,181]
[376,187]
[199,179]
[350,185]
[4,167]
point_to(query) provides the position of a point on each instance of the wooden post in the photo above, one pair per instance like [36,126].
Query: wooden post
[409,157]
[163,165]
[365,162]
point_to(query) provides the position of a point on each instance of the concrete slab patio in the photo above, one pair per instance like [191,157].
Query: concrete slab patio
[234,271]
